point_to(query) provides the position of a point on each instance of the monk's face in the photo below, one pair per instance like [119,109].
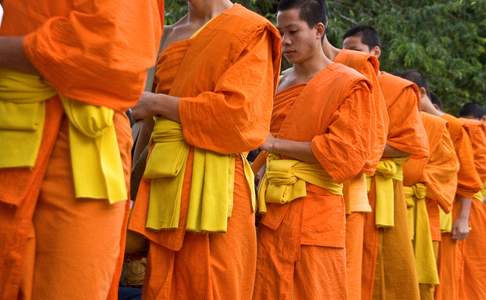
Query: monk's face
[356,43]
[299,40]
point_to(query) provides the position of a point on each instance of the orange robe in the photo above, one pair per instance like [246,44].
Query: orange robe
[475,244]
[301,245]
[388,262]
[52,245]
[225,106]
[356,205]
[451,264]
[439,174]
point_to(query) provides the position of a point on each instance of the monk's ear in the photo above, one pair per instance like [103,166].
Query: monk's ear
[376,51]
[320,30]
[423,91]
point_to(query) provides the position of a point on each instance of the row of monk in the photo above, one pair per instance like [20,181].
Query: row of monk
[367,190]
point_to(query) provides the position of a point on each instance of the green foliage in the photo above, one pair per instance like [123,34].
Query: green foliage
[446,40]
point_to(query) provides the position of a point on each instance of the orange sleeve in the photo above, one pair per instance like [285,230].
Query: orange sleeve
[99,51]
[440,173]
[343,149]
[406,130]
[235,116]
[469,182]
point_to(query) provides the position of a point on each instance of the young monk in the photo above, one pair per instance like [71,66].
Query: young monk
[215,80]
[68,72]
[301,238]
[430,186]
[356,190]
[474,255]
[455,226]
[388,260]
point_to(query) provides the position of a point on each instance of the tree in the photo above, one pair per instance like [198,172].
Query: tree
[445,40]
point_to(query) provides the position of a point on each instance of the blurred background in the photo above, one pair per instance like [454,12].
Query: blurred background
[445,40]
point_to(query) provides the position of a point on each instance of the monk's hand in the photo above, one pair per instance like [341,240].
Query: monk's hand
[144,107]
[460,229]
[269,144]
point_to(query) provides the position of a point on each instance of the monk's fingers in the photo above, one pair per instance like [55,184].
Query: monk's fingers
[460,232]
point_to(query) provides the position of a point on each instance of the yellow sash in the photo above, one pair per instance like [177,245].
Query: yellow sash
[96,162]
[421,236]
[387,171]
[481,194]
[212,183]
[445,221]
[285,180]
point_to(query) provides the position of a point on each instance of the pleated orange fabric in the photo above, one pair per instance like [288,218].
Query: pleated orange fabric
[225,106]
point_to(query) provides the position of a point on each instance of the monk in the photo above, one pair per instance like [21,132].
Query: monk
[195,202]
[455,227]
[388,259]
[474,257]
[356,190]
[434,181]
[68,72]
[312,150]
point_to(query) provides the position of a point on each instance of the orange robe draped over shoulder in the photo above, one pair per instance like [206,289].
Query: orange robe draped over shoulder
[225,107]
[388,262]
[301,245]
[96,53]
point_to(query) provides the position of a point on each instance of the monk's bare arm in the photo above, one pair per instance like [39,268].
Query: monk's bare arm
[162,105]
[298,150]
[460,229]
[12,55]
[143,139]
[391,152]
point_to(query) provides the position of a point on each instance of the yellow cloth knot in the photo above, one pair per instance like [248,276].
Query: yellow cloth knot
[95,156]
[212,182]
[420,234]
[387,171]
[286,180]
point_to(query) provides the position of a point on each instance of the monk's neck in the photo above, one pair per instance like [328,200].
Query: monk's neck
[202,13]
[329,50]
[312,66]
[427,106]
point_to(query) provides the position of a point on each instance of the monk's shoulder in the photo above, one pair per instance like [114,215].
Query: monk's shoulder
[454,125]
[357,60]
[433,120]
[390,81]
[433,124]
[345,76]
[242,20]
